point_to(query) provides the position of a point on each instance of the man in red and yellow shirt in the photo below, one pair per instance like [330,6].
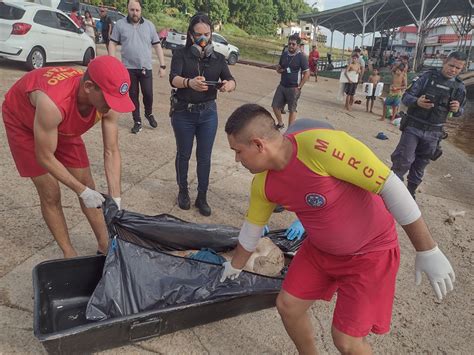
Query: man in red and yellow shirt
[45,113]
[346,199]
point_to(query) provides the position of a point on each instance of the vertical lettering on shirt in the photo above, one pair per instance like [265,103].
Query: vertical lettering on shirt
[368,172]
[338,154]
[380,180]
[353,162]
[321,145]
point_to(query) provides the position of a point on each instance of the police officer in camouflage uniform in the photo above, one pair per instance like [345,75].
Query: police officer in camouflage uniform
[431,99]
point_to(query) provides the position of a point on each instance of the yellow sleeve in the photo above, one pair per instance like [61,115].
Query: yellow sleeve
[337,154]
[260,209]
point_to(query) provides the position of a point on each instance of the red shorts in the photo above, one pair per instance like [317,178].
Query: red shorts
[365,286]
[70,151]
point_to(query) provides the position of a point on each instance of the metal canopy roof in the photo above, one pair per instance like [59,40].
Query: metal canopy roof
[379,15]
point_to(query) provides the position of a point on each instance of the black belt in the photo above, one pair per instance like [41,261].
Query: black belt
[202,106]
[413,122]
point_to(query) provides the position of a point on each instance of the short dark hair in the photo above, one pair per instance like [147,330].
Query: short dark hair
[458,55]
[86,76]
[200,17]
[74,8]
[243,115]
[295,37]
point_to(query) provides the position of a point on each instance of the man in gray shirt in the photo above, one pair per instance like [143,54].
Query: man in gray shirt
[137,36]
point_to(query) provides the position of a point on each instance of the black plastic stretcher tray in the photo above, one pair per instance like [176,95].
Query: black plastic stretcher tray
[63,288]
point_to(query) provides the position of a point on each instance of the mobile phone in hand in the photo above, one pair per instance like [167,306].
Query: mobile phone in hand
[217,84]
[430,97]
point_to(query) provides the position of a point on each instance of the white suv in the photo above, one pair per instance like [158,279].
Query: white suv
[37,34]
[230,52]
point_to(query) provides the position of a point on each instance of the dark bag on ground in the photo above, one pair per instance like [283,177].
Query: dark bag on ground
[139,275]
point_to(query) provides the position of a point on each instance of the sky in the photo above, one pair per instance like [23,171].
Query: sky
[338,37]
[330,4]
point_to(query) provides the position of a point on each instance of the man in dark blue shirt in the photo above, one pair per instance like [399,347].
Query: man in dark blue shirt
[431,99]
[293,65]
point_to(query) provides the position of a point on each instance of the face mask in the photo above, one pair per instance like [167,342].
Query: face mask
[201,41]
[202,47]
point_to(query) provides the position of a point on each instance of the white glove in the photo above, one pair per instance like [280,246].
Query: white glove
[91,198]
[438,269]
[117,201]
[230,272]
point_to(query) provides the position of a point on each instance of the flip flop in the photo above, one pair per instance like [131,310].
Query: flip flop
[381,136]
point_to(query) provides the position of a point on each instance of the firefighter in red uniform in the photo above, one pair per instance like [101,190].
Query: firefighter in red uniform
[45,113]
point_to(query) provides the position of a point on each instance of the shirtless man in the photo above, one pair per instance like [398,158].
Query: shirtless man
[45,113]
[398,86]
[374,79]
[351,86]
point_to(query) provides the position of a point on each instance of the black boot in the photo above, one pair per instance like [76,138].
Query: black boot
[201,204]
[412,189]
[184,201]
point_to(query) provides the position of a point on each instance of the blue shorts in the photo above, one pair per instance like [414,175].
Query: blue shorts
[393,100]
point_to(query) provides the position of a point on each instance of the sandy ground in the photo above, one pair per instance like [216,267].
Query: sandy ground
[420,323]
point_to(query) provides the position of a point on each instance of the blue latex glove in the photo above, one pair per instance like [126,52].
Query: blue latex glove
[296,230]
[266,230]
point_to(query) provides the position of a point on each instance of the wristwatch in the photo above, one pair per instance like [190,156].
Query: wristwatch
[163,66]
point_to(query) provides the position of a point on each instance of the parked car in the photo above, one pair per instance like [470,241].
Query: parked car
[229,51]
[175,40]
[37,34]
[66,6]
[162,35]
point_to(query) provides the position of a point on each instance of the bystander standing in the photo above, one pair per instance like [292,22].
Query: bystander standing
[138,36]
[431,99]
[198,72]
[294,70]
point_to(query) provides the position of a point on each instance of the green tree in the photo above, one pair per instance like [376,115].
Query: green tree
[153,6]
[288,10]
[185,6]
[219,11]
[257,17]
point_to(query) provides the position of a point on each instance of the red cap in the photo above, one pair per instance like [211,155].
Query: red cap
[113,79]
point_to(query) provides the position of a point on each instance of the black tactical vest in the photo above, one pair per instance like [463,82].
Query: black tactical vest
[443,91]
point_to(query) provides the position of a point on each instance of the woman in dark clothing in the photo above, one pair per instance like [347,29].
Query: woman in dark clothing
[195,71]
